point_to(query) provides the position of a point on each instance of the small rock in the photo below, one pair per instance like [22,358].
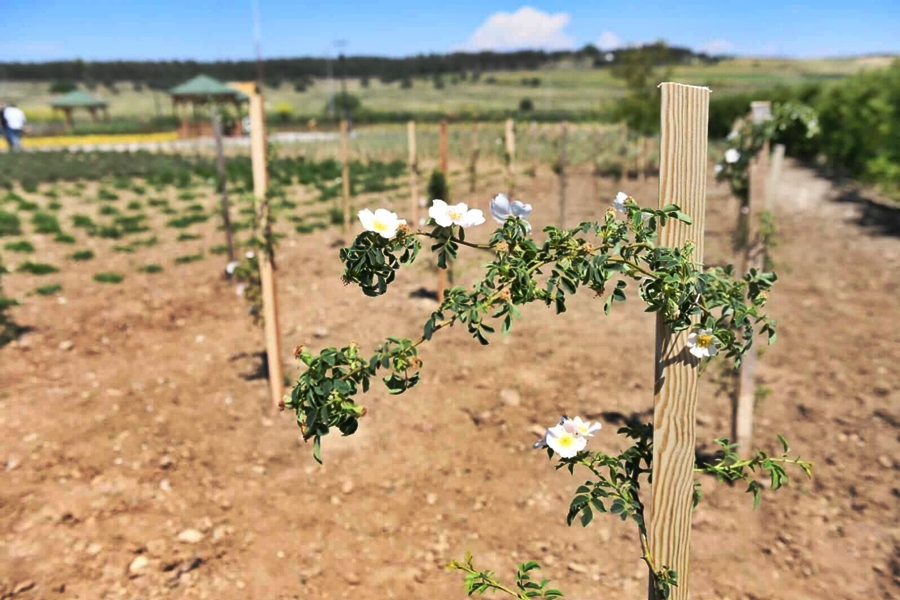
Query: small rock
[199,338]
[347,487]
[22,587]
[431,499]
[66,345]
[884,461]
[510,398]
[576,568]
[94,549]
[138,566]
[165,486]
[12,463]
[320,332]
[190,536]
[165,462]
[352,578]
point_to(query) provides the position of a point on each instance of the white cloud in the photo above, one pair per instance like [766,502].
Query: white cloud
[609,41]
[525,28]
[717,47]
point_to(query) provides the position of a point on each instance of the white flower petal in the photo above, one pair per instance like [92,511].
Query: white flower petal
[367,218]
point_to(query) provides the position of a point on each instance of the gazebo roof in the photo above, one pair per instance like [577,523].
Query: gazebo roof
[78,99]
[204,86]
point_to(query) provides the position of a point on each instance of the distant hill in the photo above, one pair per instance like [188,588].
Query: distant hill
[164,74]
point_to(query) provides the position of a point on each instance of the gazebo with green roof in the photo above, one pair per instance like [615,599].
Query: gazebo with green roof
[202,90]
[79,99]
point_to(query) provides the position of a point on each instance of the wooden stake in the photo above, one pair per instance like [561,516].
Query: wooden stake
[642,159]
[345,174]
[774,176]
[473,160]
[442,273]
[223,183]
[682,180]
[742,417]
[413,166]
[511,156]
[563,133]
[266,260]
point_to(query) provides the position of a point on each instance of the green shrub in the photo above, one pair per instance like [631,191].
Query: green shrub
[134,205]
[108,210]
[189,258]
[37,268]
[64,238]
[20,246]
[82,255]
[185,237]
[150,268]
[105,194]
[108,278]
[186,221]
[84,222]
[54,206]
[219,249]
[48,290]
[10,223]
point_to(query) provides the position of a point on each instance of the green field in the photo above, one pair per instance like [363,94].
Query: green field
[565,87]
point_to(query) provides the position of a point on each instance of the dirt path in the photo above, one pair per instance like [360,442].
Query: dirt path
[143,446]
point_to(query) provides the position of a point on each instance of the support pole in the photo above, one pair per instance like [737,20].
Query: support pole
[413,167]
[266,260]
[442,273]
[563,134]
[683,160]
[345,174]
[742,421]
[223,183]
[511,156]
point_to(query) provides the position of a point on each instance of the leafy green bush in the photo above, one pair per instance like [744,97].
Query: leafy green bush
[82,255]
[185,237]
[45,223]
[10,223]
[186,221]
[189,258]
[20,246]
[64,238]
[108,278]
[150,268]
[48,290]
[36,268]
[219,249]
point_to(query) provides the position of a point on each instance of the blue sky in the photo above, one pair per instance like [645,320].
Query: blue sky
[38,30]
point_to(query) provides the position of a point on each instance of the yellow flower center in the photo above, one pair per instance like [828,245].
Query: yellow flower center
[566,440]
[455,215]
[379,226]
[705,340]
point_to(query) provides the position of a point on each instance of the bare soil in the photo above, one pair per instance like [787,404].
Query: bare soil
[129,416]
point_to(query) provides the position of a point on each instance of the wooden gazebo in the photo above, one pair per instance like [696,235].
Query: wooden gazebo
[80,99]
[202,90]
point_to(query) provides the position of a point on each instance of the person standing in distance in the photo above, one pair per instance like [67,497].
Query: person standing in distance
[13,126]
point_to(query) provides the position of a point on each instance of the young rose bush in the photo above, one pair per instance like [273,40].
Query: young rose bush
[722,312]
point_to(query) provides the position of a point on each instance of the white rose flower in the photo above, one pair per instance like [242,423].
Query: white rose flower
[568,437]
[619,202]
[732,156]
[731,135]
[240,289]
[719,168]
[249,254]
[457,214]
[502,209]
[383,222]
[703,344]
[230,267]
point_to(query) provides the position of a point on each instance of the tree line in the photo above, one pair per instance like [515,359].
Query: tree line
[166,74]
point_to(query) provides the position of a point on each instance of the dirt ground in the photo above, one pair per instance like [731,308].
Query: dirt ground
[138,458]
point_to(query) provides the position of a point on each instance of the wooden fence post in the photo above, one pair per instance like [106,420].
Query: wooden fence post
[473,160]
[774,175]
[223,183]
[563,134]
[266,260]
[345,175]
[442,273]
[682,180]
[742,416]
[413,166]
[511,156]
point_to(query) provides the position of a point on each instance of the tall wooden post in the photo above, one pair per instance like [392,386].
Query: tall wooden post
[511,156]
[345,175]
[642,159]
[266,260]
[563,134]
[682,180]
[742,417]
[413,166]
[223,183]
[442,273]
[473,160]
[774,175]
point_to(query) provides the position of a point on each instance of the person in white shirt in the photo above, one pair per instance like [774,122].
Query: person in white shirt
[13,120]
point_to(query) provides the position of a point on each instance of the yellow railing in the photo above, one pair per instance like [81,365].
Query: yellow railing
[81,140]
